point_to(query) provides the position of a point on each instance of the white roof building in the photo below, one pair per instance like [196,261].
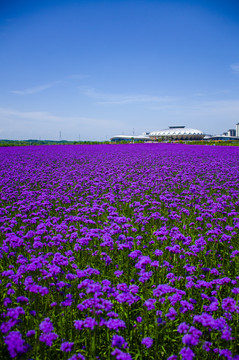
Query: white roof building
[173,133]
[178,133]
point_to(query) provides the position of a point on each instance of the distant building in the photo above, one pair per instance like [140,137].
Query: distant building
[237,129]
[177,133]
[130,138]
[222,138]
[231,132]
[173,133]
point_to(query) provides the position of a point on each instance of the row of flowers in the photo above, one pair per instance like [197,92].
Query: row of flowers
[119,252]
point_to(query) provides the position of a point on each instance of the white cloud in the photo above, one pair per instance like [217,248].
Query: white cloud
[28,115]
[221,108]
[42,117]
[35,89]
[122,99]
[18,124]
[40,88]
[211,116]
[235,68]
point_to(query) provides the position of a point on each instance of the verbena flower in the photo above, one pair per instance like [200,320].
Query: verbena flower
[90,323]
[66,346]
[120,355]
[172,313]
[30,333]
[46,326]
[79,324]
[115,324]
[71,218]
[187,353]
[15,344]
[229,304]
[150,304]
[227,354]
[147,341]
[183,328]
[48,338]
[77,356]
[118,341]
[190,340]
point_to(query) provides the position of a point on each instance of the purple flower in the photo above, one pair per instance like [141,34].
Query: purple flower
[30,333]
[115,324]
[48,338]
[155,263]
[90,323]
[143,261]
[7,301]
[77,356]
[195,332]
[172,313]
[158,252]
[145,276]
[6,326]
[118,341]
[207,345]
[163,289]
[190,340]
[187,354]
[205,319]
[66,346]
[134,254]
[121,237]
[229,304]
[226,334]
[79,324]
[15,312]
[183,328]
[133,289]
[147,341]
[186,306]
[174,298]
[112,314]
[150,304]
[22,299]
[15,344]
[120,355]
[226,353]
[118,273]
[46,326]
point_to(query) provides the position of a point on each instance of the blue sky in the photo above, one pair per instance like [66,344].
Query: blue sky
[94,69]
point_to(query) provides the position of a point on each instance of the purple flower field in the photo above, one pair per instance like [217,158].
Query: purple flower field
[119,252]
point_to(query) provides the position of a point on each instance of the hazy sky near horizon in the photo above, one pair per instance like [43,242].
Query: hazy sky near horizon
[94,69]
